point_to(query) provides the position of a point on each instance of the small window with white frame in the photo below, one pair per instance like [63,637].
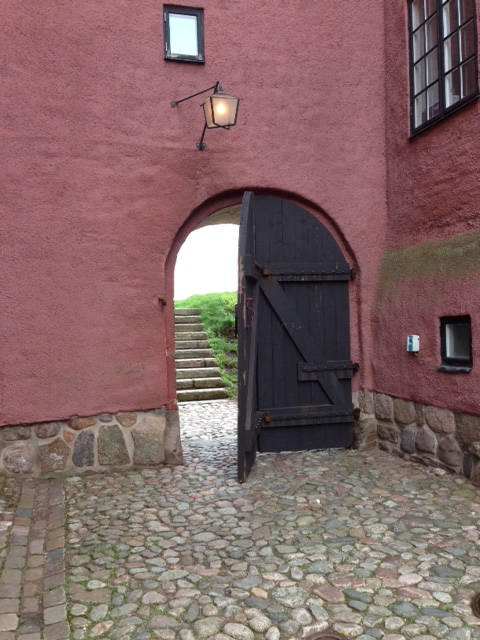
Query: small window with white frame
[456,344]
[183,34]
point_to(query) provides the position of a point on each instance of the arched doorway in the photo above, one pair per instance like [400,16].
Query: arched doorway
[291,247]
[205,295]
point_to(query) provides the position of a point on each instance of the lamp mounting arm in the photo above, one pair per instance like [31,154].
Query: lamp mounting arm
[201,146]
[216,87]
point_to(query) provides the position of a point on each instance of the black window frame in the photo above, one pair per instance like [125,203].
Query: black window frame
[190,11]
[444,111]
[449,364]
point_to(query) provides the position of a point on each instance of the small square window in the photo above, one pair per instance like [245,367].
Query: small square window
[456,344]
[183,33]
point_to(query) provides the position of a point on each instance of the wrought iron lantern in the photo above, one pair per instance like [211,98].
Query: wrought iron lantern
[219,109]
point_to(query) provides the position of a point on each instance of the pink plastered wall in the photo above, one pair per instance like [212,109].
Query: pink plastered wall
[99,176]
[433,192]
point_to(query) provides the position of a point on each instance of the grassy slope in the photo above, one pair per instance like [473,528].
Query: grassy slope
[218,316]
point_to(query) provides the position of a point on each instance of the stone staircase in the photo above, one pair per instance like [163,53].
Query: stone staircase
[198,376]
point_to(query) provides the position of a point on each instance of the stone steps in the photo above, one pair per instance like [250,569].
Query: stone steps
[186,320]
[195,363]
[190,335]
[188,327]
[199,383]
[184,395]
[182,353]
[198,376]
[201,372]
[192,344]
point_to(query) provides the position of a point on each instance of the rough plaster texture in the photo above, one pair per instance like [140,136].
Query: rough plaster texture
[101,180]
[417,286]
[432,264]
[433,187]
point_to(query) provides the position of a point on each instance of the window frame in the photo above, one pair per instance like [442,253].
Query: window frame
[444,111]
[451,364]
[189,11]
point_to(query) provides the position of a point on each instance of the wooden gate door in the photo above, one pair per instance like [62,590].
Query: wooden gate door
[294,363]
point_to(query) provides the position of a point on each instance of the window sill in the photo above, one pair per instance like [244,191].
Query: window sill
[451,368]
[173,58]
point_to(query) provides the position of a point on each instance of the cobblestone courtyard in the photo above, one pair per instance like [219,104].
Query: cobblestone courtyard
[362,544]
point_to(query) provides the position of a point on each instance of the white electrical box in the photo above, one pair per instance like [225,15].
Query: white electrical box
[413,344]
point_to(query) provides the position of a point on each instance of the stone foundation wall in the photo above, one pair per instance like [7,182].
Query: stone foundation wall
[430,435]
[97,443]
[365,425]
[435,437]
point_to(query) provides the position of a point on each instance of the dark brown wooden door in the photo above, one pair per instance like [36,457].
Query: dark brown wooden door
[295,372]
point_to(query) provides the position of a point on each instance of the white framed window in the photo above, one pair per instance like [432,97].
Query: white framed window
[443,58]
[183,34]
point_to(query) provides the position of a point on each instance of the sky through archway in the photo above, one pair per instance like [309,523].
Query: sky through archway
[207,261]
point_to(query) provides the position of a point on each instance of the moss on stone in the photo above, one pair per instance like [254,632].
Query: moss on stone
[449,259]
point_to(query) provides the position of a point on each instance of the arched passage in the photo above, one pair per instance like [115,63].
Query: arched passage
[206,281]
[227,204]
[207,261]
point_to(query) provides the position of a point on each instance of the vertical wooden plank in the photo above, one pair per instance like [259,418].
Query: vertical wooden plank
[246,342]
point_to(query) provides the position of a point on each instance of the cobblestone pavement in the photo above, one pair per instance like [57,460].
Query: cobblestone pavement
[209,432]
[361,544]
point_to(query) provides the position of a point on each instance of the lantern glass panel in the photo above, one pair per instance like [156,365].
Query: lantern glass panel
[207,110]
[224,109]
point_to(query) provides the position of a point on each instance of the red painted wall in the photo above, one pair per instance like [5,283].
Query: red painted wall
[99,175]
[432,265]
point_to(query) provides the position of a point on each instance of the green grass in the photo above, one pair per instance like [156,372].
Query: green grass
[218,317]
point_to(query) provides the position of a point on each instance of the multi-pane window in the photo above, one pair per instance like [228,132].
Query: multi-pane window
[183,33]
[443,44]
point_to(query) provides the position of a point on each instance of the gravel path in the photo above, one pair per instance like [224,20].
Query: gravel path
[363,544]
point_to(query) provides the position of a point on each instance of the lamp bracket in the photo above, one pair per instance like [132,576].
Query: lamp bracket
[201,146]
[216,88]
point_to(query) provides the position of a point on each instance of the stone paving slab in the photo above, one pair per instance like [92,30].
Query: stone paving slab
[35,517]
[10,560]
[362,544]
